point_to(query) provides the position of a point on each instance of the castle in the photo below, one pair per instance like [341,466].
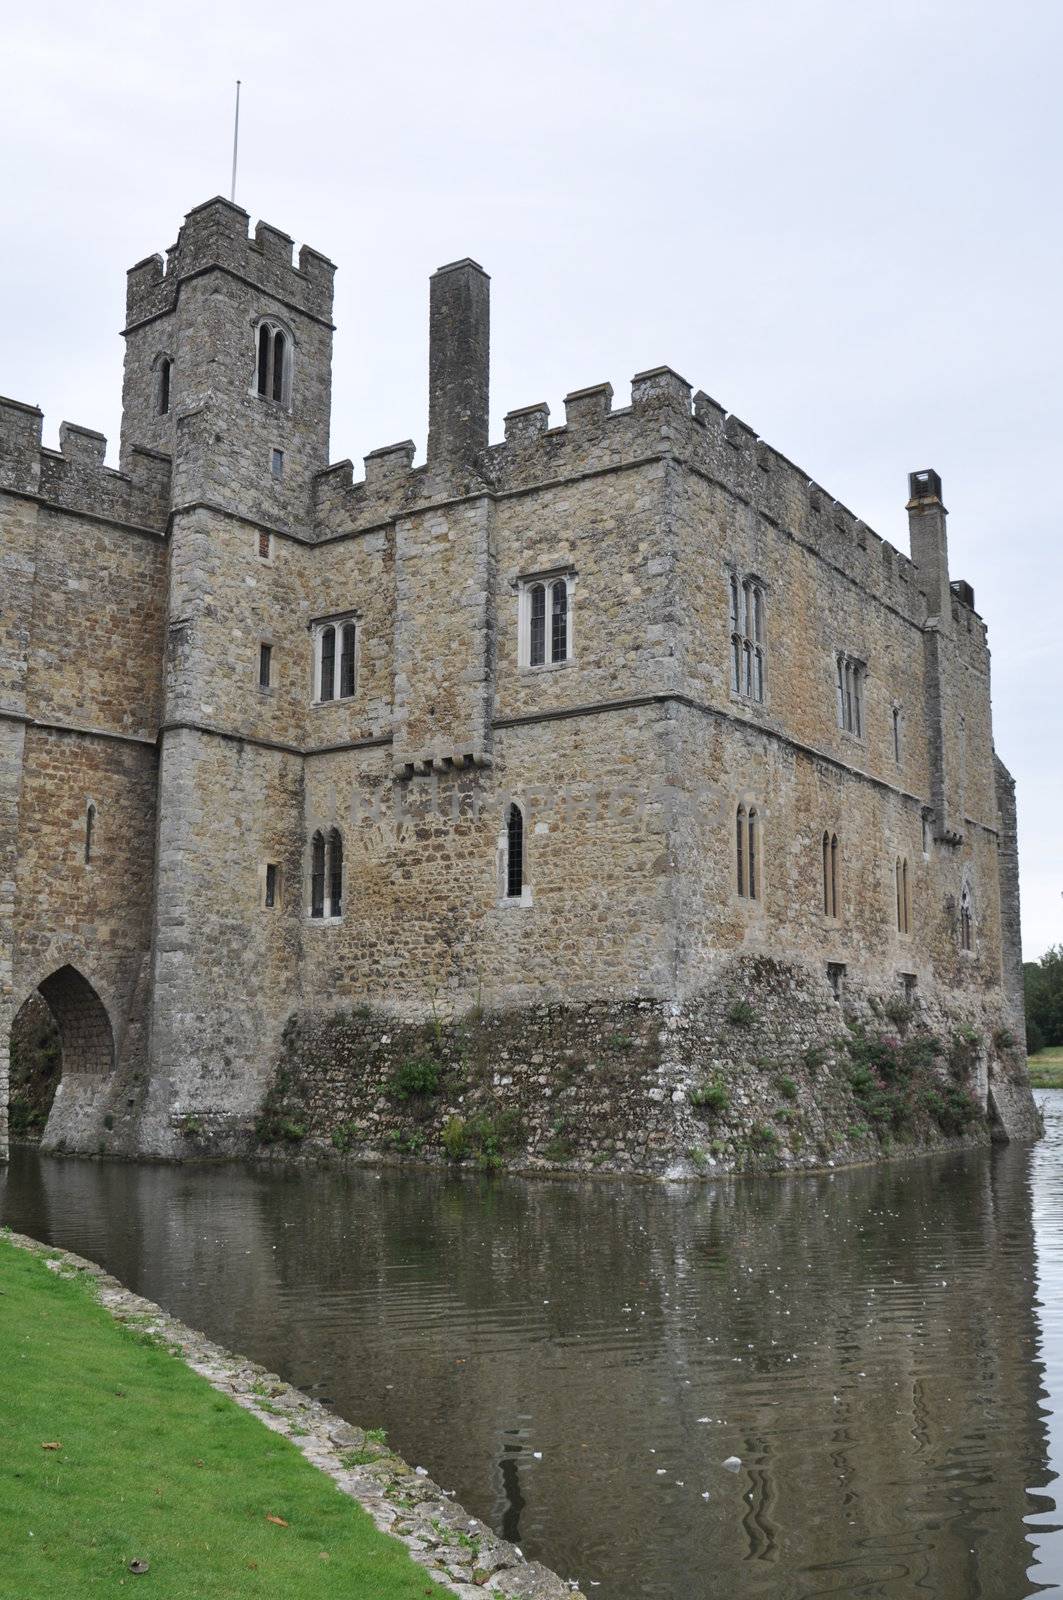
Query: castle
[611,730]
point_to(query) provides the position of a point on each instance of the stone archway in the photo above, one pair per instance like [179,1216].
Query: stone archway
[86,1041]
[82,1020]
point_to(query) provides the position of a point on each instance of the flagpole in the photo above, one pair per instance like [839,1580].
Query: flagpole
[236,140]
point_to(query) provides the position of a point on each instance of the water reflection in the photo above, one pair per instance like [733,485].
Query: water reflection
[577,1360]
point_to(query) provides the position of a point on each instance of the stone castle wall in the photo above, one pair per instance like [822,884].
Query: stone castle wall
[129,678]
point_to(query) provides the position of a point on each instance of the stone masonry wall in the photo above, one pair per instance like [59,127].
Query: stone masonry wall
[129,680]
[767,1070]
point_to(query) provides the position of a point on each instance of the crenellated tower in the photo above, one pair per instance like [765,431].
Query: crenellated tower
[233,333]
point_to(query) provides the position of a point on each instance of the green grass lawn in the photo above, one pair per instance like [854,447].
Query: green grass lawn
[1046,1068]
[155,1465]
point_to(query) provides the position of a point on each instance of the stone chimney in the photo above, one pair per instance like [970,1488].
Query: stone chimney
[929,544]
[459,354]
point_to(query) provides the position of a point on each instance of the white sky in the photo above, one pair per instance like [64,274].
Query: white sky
[841,219]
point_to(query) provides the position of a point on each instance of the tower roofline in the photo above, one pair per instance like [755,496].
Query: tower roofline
[216,234]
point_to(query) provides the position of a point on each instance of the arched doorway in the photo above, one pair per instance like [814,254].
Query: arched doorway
[62,1052]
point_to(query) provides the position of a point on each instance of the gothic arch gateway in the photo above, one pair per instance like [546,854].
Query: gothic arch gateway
[88,1053]
[82,1020]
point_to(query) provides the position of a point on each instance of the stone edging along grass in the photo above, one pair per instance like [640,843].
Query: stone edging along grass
[456,1550]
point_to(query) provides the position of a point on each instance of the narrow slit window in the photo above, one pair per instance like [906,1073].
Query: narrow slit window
[280,353]
[828,902]
[835,885]
[752,864]
[317,875]
[347,659]
[966,920]
[559,621]
[270,897]
[747,860]
[165,368]
[276,464]
[335,873]
[904,905]
[514,853]
[265,665]
[90,831]
[265,546]
[537,635]
[264,348]
[897,734]
[328,664]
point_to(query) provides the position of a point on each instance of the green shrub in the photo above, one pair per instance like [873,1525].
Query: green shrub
[274,1128]
[417,1075]
[344,1136]
[898,1011]
[788,1088]
[741,1014]
[559,1148]
[1003,1040]
[711,1096]
[964,1049]
[762,1137]
[951,1107]
[454,1141]
[814,1058]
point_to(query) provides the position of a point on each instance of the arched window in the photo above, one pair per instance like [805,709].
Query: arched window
[752,863]
[544,620]
[274,363]
[335,873]
[317,875]
[514,852]
[537,636]
[90,830]
[327,689]
[747,852]
[966,920]
[832,906]
[747,638]
[162,386]
[904,904]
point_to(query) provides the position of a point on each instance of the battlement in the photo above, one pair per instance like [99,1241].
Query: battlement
[216,234]
[75,476]
[664,417]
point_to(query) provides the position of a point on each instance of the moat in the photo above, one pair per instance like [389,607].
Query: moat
[882,1348]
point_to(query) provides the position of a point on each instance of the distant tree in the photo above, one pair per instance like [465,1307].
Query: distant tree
[1043,982]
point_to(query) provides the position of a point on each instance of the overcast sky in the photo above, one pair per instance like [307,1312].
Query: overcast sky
[841,219]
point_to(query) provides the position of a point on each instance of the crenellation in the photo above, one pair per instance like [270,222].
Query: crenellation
[387,467]
[526,426]
[589,407]
[274,243]
[21,428]
[627,627]
[82,446]
[216,235]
